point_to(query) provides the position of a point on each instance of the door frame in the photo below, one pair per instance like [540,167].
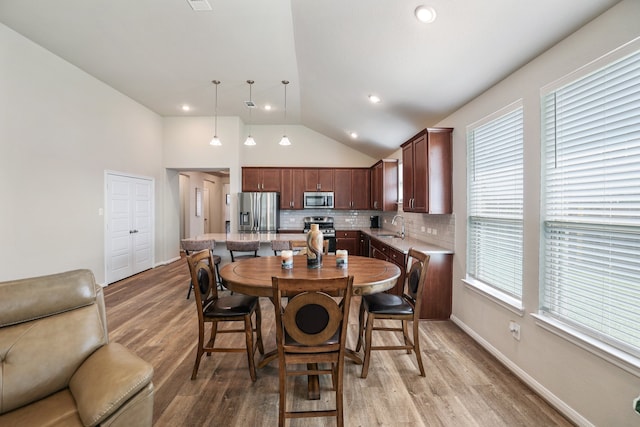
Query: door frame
[151,180]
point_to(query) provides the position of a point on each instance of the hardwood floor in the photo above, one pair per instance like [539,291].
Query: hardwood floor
[464,386]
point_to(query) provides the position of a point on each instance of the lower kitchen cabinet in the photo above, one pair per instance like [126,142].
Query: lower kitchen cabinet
[349,240]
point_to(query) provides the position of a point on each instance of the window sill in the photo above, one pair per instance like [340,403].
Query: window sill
[619,358]
[500,298]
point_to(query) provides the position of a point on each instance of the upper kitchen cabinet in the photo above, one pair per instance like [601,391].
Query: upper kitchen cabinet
[427,172]
[318,180]
[384,185]
[260,179]
[352,188]
[292,188]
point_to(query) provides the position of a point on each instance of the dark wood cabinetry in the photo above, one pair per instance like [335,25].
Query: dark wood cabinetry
[352,188]
[318,179]
[385,252]
[384,185]
[427,172]
[349,240]
[260,179]
[291,188]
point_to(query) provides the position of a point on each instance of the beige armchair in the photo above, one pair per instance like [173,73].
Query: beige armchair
[58,367]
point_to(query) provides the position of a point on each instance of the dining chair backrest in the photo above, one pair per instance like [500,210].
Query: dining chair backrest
[416,278]
[312,329]
[280,245]
[195,245]
[201,267]
[248,248]
[300,246]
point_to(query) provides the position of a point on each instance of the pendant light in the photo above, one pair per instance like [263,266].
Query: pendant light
[216,141]
[250,105]
[285,140]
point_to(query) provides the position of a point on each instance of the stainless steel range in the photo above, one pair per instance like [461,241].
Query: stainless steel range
[325,224]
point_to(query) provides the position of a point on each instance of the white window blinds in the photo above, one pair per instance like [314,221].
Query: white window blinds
[591,242]
[495,203]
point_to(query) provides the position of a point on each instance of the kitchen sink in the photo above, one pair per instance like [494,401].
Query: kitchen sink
[387,236]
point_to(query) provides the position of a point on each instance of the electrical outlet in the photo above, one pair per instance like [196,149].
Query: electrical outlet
[636,405]
[435,231]
[514,328]
[422,229]
[429,230]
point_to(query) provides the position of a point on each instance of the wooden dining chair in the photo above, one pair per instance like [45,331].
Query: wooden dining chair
[246,248]
[214,310]
[280,245]
[190,246]
[310,330]
[405,308]
[300,247]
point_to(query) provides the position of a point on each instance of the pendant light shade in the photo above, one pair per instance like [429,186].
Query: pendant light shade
[250,105]
[216,141]
[285,140]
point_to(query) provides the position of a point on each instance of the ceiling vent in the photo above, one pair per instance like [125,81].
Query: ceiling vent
[199,5]
[250,104]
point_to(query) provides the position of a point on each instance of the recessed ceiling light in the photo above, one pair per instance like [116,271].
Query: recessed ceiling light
[353,135]
[267,107]
[185,107]
[425,14]
[374,99]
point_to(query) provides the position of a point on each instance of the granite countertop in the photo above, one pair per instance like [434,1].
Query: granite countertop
[385,236]
[403,245]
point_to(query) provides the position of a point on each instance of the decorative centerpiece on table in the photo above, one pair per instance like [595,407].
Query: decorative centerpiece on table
[314,247]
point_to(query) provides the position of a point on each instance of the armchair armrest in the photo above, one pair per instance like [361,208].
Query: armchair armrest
[107,379]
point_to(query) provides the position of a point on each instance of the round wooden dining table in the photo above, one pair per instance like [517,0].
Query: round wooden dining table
[252,276]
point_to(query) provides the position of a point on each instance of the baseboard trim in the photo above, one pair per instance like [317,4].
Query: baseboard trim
[542,391]
[169,261]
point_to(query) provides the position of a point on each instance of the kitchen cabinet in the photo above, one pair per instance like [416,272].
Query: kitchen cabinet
[318,179]
[384,185]
[385,252]
[349,240]
[427,172]
[291,188]
[365,242]
[352,188]
[260,179]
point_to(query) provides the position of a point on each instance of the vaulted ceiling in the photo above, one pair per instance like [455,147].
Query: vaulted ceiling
[335,53]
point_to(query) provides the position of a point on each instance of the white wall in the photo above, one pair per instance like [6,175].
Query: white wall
[186,148]
[60,130]
[589,388]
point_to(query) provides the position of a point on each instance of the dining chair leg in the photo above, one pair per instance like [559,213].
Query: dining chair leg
[212,339]
[405,334]
[416,346]
[339,397]
[282,405]
[367,346]
[248,333]
[360,325]
[190,287]
[259,329]
[199,352]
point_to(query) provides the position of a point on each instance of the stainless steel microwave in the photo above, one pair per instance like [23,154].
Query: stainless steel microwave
[318,199]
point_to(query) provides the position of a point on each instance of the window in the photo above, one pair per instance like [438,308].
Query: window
[591,204]
[495,202]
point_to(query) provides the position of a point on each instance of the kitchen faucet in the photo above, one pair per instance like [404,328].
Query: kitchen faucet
[393,222]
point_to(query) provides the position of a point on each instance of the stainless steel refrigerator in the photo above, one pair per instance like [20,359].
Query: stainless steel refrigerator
[259,212]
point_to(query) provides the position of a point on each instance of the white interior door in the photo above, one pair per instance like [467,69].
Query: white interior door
[129,228]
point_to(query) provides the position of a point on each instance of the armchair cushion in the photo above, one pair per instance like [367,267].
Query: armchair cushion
[107,379]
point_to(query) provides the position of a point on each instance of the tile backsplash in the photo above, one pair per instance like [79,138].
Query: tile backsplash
[435,229]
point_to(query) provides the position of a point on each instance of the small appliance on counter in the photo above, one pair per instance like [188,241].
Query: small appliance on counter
[375,221]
